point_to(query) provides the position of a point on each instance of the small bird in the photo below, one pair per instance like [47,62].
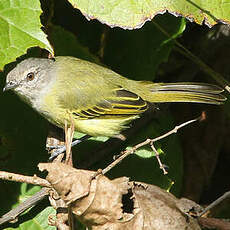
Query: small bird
[99,101]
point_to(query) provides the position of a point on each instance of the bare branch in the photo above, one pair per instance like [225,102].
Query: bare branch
[28,203]
[24,179]
[150,142]
[42,182]
[215,203]
[162,167]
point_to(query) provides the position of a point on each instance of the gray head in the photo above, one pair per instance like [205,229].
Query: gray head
[29,77]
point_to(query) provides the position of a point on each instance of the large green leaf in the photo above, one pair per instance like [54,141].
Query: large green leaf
[130,14]
[20,29]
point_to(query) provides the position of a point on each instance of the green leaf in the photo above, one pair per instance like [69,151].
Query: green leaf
[20,29]
[100,138]
[147,152]
[26,193]
[39,222]
[78,135]
[129,14]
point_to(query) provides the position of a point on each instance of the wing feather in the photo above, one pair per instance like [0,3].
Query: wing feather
[123,103]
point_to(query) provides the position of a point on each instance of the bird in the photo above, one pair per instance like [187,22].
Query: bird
[98,101]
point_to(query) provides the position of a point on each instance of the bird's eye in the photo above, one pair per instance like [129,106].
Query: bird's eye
[30,76]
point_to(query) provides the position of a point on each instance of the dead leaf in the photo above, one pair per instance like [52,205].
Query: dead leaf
[102,204]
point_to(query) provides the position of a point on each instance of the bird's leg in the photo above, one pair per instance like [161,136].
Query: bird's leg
[61,149]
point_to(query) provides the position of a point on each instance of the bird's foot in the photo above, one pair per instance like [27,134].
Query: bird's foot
[57,150]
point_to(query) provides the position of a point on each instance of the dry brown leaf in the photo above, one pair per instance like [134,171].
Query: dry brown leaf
[161,209]
[101,203]
[70,183]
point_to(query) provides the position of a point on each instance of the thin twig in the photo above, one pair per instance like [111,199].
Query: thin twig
[132,150]
[28,203]
[26,179]
[44,192]
[157,155]
[215,203]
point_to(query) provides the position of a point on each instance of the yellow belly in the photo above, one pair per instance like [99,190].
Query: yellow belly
[99,126]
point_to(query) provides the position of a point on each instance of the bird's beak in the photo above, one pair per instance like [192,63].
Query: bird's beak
[10,85]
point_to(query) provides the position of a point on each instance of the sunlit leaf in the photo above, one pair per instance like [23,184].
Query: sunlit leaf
[129,14]
[20,29]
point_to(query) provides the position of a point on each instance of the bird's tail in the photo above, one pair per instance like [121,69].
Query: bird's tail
[184,92]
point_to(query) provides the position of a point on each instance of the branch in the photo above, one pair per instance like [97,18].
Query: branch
[150,142]
[30,202]
[14,213]
[42,182]
[215,223]
[24,179]
[33,200]
[215,203]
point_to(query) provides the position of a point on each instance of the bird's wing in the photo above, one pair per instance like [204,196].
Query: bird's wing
[121,102]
